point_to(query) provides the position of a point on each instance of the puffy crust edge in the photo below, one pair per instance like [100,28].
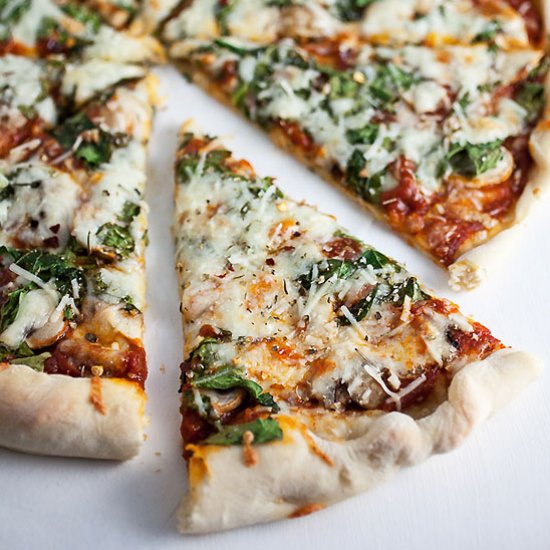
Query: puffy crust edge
[54,415]
[290,480]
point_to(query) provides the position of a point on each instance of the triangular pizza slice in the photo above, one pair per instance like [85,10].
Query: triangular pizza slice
[447,145]
[315,366]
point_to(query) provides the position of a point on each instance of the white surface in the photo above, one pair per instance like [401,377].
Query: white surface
[494,492]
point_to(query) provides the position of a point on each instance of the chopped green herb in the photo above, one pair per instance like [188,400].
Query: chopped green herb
[85,16]
[489,33]
[351,10]
[222,10]
[366,135]
[471,160]
[531,97]
[129,211]
[118,238]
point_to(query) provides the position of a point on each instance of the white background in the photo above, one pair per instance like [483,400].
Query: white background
[493,492]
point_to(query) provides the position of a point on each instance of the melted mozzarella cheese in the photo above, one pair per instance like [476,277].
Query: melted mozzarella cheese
[87,79]
[35,207]
[26,29]
[34,311]
[121,180]
[21,84]
[285,333]
[124,280]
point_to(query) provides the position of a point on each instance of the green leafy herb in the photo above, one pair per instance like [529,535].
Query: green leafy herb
[47,266]
[228,378]
[396,295]
[28,111]
[129,211]
[464,101]
[471,160]
[389,80]
[116,237]
[489,33]
[214,160]
[11,306]
[98,146]
[206,352]
[35,362]
[342,84]
[264,430]
[11,12]
[531,97]
[85,16]
[351,10]
[7,192]
[360,309]
[129,305]
[227,45]
[342,269]
[222,10]
[366,187]
[366,135]
[8,354]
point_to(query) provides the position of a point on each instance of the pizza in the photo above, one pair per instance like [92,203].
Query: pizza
[76,118]
[446,143]
[509,23]
[304,346]
[315,366]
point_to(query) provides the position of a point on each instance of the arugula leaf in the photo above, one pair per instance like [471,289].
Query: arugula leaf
[35,362]
[228,378]
[264,430]
[118,238]
[471,160]
[531,97]
[10,13]
[366,135]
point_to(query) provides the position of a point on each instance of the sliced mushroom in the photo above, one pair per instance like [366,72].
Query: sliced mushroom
[225,402]
[51,332]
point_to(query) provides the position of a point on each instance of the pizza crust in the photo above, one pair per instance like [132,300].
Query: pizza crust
[53,414]
[474,266]
[304,472]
